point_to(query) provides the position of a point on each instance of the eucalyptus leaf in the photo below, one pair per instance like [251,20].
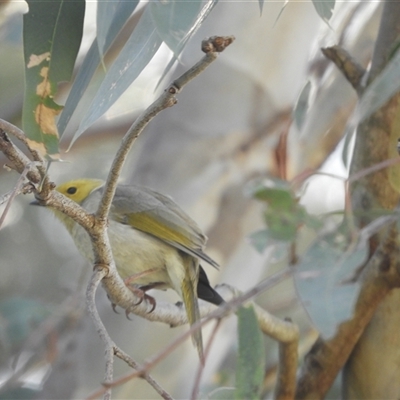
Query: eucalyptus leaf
[251,357]
[324,8]
[111,17]
[348,140]
[107,32]
[176,21]
[177,42]
[133,58]
[50,56]
[275,192]
[323,279]
[261,5]
[260,240]
[282,225]
[301,107]
[263,239]
[281,11]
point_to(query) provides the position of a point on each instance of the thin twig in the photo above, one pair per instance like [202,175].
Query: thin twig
[133,364]
[97,276]
[18,159]
[200,369]
[374,168]
[19,188]
[20,135]
[17,133]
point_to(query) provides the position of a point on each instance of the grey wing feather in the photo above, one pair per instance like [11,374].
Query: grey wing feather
[166,210]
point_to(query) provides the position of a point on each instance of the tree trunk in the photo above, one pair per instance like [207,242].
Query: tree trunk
[373,369]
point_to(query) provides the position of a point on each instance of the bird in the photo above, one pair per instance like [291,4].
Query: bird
[155,244]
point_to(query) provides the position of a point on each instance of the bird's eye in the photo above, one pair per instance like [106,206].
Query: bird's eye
[71,190]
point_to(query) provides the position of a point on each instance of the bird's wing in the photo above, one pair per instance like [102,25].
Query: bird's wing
[159,216]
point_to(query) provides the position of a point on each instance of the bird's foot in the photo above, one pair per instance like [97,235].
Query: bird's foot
[142,295]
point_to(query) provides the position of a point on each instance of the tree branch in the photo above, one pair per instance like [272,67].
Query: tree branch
[347,65]
[285,388]
[19,160]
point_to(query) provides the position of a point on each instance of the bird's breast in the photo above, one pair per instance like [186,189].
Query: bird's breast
[135,253]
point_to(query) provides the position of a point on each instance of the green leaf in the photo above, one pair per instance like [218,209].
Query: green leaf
[323,279]
[276,193]
[283,215]
[301,108]
[311,221]
[282,225]
[107,32]
[251,361]
[135,55]
[324,8]
[263,239]
[380,90]
[50,56]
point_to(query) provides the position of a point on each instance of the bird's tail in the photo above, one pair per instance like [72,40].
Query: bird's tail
[189,297]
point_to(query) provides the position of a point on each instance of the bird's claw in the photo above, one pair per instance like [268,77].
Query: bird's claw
[142,295]
[114,307]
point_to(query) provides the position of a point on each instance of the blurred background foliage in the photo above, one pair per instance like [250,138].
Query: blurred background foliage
[270,106]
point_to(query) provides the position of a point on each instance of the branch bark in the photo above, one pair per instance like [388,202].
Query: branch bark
[349,67]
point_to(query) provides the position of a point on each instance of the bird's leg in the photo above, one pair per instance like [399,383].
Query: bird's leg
[141,291]
[139,275]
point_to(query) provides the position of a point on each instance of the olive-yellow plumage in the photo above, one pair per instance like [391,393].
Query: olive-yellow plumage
[148,232]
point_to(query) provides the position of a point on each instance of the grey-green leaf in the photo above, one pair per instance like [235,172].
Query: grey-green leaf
[135,55]
[348,139]
[177,45]
[107,35]
[323,280]
[176,21]
[301,107]
[260,240]
[261,5]
[324,8]
[111,17]
[251,358]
